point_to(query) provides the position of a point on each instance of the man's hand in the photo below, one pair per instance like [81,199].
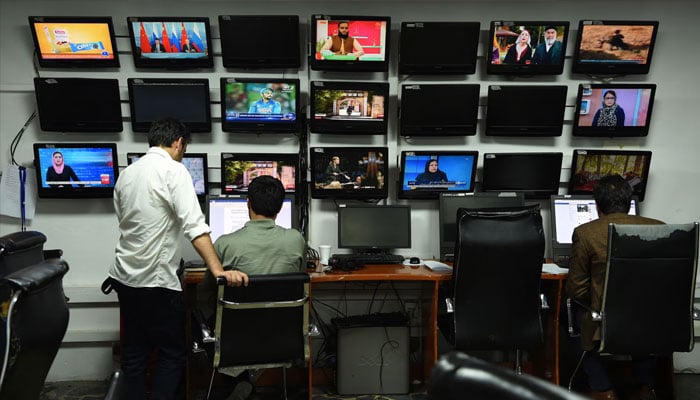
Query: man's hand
[235,278]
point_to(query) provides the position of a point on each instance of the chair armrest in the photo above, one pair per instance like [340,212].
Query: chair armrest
[207,336]
[696,314]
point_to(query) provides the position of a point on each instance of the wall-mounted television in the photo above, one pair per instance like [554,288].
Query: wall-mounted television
[349,107]
[526,47]
[428,47]
[536,175]
[349,172]
[259,105]
[170,42]
[229,213]
[151,99]
[589,165]
[525,110]
[196,164]
[349,43]
[614,47]
[239,169]
[260,41]
[424,110]
[613,110]
[76,170]
[425,174]
[78,104]
[74,41]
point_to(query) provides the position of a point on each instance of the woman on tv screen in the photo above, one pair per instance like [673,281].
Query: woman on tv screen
[521,51]
[610,113]
[59,174]
[431,174]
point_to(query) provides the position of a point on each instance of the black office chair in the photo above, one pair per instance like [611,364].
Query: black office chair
[457,376]
[19,250]
[649,289]
[498,265]
[263,325]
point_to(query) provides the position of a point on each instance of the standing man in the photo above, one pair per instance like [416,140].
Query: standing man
[156,204]
[343,43]
[548,52]
[266,104]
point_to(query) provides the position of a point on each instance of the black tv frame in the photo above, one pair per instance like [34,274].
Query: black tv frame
[419,54]
[433,193]
[554,178]
[286,158]
[420,102]
[540,110]
[356,126]
[267,53]
[133,157]
[576,182]
[319,157]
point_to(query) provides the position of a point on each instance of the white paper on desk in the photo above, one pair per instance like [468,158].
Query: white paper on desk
[10,187]
[550,268]
[437,266]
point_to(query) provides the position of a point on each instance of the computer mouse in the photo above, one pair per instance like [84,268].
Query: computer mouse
[414,260]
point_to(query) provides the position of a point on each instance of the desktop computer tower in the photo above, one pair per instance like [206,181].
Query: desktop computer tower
[373,360]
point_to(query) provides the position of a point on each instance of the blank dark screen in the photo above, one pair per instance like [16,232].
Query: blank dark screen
[186,101]
[526,106]
[381,227]
[439,105]
[260,39]
[522,172]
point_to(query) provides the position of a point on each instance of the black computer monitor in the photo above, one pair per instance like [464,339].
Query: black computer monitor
[226,214]
[377,228]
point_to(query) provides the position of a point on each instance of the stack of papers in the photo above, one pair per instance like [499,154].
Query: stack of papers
[437,266]
[550,268]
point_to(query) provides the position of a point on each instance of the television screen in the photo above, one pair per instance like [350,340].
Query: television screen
[614,47]
[428,47]
[226,214]
[613,110]
[185,99]
[375,227]
[259,105]
[260,41]
[238,169]
[196,164]
[350,43]
[588,166]
[74,41]
[349,172]
[438,109]
[76,170]
[425,174]
[525,110]
[170,42]
[526,47]
[349,107]
[536,175]
[78,104]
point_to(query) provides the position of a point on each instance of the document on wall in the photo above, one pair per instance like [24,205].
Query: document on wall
[11,192]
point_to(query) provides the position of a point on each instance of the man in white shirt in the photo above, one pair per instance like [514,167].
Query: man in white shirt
[155,203]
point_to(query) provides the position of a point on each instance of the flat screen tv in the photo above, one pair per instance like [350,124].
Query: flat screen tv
[536,175]
[76,170]
[260,41]
[589,165]
[349,43]
[349,172]
[425,174]
[239,169]
[74,42]
[227,214]
[171,42]
[525,110]
[375,228]
[151,99]
[613,110]
[438,109]
[259,105]
[196,164]
[78,104]
[614,47]
[526,47]
[428,47]
[349,107]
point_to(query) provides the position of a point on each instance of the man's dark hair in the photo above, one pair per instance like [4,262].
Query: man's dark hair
[266,195]
[165,131]
[613,194]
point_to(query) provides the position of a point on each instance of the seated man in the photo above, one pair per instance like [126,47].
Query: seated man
[586,280]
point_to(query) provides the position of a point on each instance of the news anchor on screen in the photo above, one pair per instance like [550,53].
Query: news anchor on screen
[343,43]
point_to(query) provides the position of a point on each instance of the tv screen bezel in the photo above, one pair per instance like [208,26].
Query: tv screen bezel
[348,126]
[470,91]
[195,127]
[348,65]
[612,68]
[611,131]
[404,193]
[464,32]
[357,194]
[640,193]
[230,57]
[289,158]
[84,192]
[202,156]
[407,232]
[520,130]
[537,193]
[74,62]
[525,69]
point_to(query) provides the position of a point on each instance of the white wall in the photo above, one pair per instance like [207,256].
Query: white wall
[86,229]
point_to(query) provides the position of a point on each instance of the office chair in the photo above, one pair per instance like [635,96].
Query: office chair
[34,326]
[457,376]
[498,265]
[649,289]
[263,325]
[19,250]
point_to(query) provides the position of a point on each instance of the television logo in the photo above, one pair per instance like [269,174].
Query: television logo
[104,179]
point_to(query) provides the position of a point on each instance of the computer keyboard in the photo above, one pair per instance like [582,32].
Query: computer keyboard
[369,258]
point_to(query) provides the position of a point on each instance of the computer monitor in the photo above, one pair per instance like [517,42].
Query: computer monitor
[589,165]
[426,173]
[239,169]
[568,212]
[428,47]
[536,175]
[438,109]
[226,214]
[196,164]
[450,203]
[374,228]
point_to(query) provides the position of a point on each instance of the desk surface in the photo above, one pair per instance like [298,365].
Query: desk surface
[382,272]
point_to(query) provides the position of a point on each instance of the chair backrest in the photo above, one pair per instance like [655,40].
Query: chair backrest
[263,324]
[498,266]
[19,250]
[649,289]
